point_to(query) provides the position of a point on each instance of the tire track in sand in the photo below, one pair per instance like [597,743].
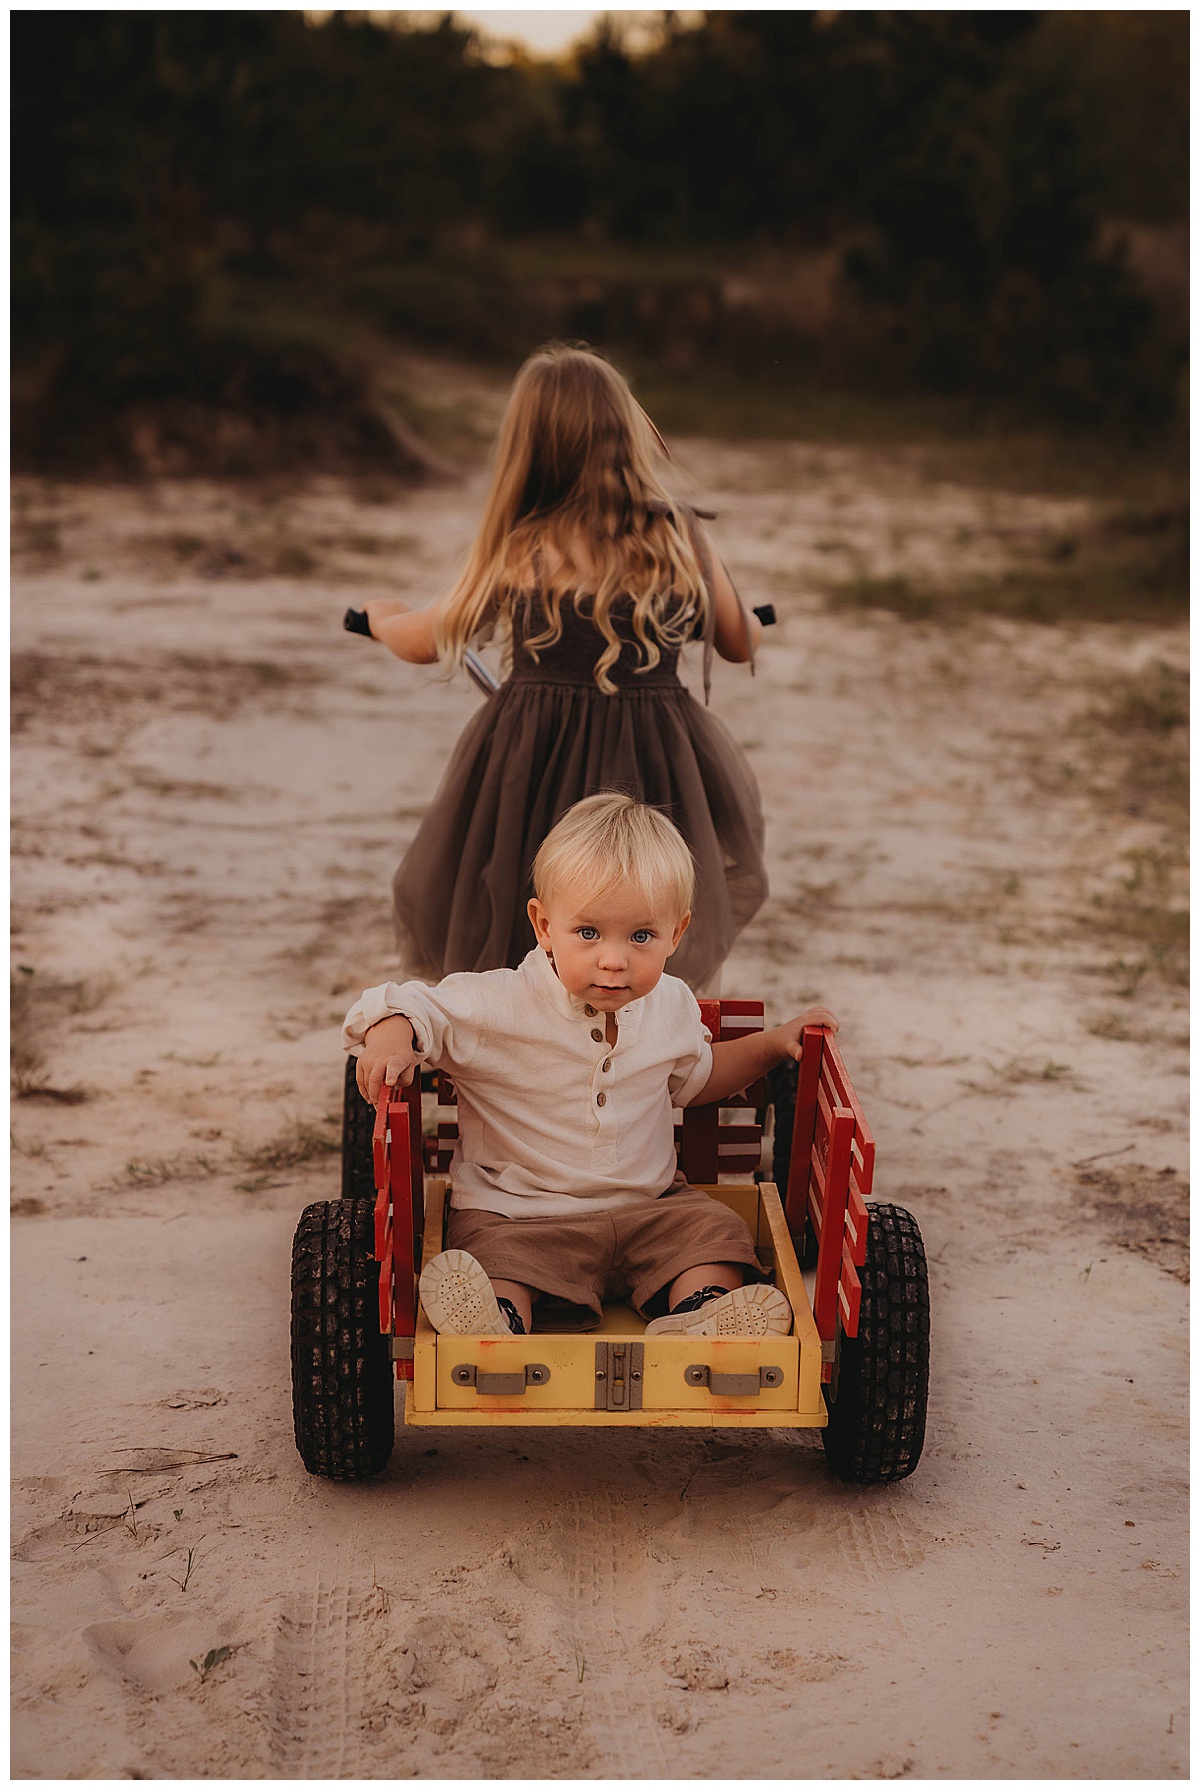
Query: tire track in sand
[606,1583]
[316,1695]
[875,1544]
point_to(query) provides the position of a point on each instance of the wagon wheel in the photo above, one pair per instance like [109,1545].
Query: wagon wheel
[358,1122]
[876,1424]
[782,1082]
[342,1384]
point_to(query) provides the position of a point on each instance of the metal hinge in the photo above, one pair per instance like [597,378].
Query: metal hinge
[619,1376]
[499,1385]
[732,1385]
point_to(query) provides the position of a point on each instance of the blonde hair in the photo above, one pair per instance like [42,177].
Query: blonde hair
[577,458]
[610,839]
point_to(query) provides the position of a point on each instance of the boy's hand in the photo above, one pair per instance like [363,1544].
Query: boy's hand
[387,1056]
[791,1032]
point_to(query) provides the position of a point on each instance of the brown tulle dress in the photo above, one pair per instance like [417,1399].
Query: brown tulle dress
[545,740]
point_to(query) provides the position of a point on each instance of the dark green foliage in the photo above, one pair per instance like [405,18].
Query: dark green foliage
[168,167]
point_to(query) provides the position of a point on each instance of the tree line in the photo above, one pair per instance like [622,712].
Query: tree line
[964,168]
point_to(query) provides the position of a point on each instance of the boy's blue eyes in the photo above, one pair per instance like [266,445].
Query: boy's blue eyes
[641,937]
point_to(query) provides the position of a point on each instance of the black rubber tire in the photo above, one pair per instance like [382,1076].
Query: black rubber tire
[876,1424]
[343,1399]
[358,1122]
[781,1083]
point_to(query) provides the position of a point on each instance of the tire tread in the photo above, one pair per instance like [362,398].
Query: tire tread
[343,1398]
[876,1428]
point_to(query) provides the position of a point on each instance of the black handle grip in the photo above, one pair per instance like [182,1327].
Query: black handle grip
[766,614]
[355,622]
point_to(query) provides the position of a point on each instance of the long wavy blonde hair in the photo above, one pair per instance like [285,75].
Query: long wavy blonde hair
[577,459]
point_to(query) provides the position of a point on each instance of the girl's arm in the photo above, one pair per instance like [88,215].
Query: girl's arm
[406,632]
[730,634]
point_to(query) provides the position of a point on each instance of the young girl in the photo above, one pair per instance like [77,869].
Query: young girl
[596,577]
[564,1184]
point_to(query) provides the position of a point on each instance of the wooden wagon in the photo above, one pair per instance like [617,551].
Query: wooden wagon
[855,1366]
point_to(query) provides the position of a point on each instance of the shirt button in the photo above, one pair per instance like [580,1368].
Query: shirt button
[606,1065]
[600,1099]
[591,1012]
[597,1034]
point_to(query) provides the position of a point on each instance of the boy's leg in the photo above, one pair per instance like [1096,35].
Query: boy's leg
[725,1275]
[460,1300]
[519,1297]
[699,1253]
[520,1260]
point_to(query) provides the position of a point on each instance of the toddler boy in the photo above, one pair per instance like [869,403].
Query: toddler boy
[564,1184]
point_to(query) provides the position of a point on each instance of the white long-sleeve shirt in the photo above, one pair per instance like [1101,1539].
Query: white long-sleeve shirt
[552,1121]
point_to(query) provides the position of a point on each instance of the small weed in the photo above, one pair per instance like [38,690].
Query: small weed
[183,1582]
[1136,739]
[34,1148]
[1142,1209]
[216,1656]
[302,1142]
[1147,908]
[1018,1072]
[158,1171]
[1111,1025]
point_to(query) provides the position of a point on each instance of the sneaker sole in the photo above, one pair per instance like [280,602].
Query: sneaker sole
[458,1297]
[755,1310]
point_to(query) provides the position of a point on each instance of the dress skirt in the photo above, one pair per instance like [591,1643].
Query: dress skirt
[535,748]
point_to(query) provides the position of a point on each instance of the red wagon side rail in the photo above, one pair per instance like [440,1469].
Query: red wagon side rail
[829,1181]
[399,1215]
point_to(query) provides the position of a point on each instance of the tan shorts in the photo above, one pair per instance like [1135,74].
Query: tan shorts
[631,1252]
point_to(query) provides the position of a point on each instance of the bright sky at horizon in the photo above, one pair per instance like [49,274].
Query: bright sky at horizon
[545,33]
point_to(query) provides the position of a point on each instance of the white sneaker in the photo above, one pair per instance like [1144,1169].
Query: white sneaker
[458,1297]
[756,1310]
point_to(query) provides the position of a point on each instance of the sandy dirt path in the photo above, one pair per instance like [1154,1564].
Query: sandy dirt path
[213,786]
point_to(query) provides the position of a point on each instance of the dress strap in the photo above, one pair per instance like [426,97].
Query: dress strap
[704,555]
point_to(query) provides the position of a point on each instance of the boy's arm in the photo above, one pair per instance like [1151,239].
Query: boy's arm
[743,1060]
[394,1027]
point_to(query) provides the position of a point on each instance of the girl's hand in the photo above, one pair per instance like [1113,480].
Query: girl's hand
[791,1034]
[387,1057]
[379,608]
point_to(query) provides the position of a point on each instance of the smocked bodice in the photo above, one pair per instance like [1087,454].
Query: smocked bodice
[572,657]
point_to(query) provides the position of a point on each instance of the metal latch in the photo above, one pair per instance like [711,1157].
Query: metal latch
[732,1385]
[499,1385]
[619,1376]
